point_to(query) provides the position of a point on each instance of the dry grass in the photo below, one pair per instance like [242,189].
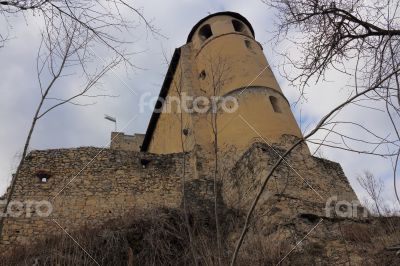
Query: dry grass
[160,237]
[155,237]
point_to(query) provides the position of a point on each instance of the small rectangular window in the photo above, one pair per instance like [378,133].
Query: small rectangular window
[248,44]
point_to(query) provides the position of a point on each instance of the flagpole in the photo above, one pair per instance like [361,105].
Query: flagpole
[112,119]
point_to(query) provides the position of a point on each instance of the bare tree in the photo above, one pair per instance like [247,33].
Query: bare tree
[106,21]
[61,55]
[71,31]
[334,32]
[373,186]
[218,76]
[360,39]
[217,69]
[323,122]
[178,86]
[334,35]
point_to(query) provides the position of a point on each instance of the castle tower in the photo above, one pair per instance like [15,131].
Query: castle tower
[223,62]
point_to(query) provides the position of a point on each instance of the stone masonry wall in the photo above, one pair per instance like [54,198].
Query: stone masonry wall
[120,141]
[302,184]
[88,186]
[299,205]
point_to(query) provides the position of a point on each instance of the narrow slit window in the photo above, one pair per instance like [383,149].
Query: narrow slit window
[202,75]
[248,44]
[205,32]
[238,26]
[275,104]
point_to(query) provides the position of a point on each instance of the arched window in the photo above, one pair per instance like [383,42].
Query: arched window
[275,104]
[238,26]
[205,32]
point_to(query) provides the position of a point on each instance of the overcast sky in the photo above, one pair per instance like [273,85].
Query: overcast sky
[72,126]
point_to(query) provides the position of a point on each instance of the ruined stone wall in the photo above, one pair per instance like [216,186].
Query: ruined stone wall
[302,184]
[3,201]
[120,141]
[4,196]
[307,200]
[88,186]
[3,205]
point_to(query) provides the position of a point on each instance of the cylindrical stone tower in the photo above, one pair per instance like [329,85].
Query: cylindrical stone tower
[220,59]
[228,61]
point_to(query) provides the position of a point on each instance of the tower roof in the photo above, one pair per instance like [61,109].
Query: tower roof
[225,13]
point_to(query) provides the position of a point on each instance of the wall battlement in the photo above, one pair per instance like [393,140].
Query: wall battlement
[120,141]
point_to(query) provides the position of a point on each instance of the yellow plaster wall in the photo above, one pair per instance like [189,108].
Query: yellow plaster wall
[168,137]
[232,68]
